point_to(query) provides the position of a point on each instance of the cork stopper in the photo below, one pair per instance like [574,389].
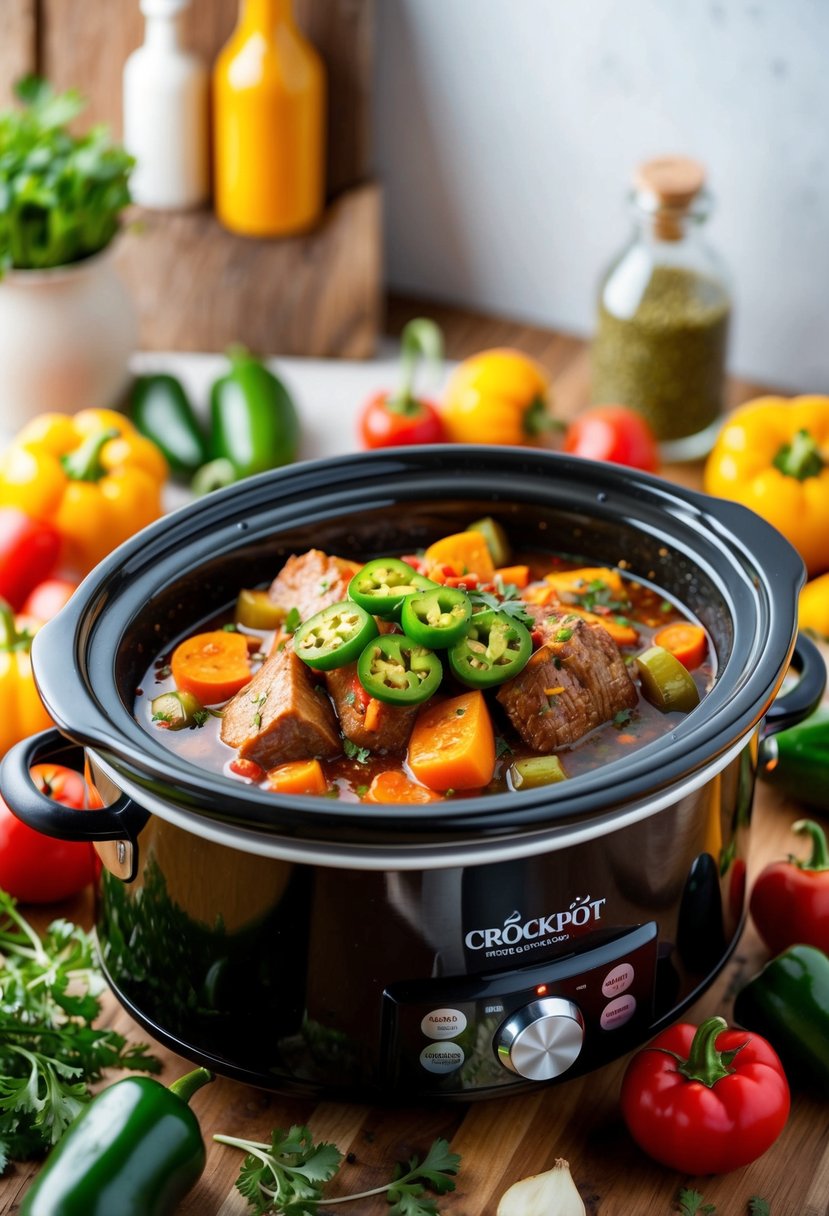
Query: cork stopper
[668,186]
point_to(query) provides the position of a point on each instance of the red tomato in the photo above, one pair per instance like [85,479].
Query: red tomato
[38,869]
[48,597]
[705,1100]
[29,551]
[615,433]
[386,423]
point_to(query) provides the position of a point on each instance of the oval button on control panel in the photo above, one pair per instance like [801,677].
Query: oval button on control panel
[442,1057]
[443,1023]
[619,1011]
[618,980]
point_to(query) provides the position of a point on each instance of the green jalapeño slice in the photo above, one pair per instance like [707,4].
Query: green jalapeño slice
[495,648]
[335,636]
[436,618]
[393,668]
[382,585]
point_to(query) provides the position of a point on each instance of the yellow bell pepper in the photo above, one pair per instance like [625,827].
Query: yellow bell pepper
[813,609]
[22,712]
[772,455]
[497,396]
[91,474]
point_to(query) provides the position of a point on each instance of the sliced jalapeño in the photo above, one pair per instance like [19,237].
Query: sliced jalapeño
[334,636]
[395,669]
[436,618]
[382,585]
[495,648]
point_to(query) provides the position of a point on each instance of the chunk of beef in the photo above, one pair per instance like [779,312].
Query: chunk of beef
[311,581]
[281,715]
[391,724]
[575,682]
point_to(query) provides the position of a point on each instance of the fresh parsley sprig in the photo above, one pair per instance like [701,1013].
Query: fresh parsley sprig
[49,1049]
[288,1176]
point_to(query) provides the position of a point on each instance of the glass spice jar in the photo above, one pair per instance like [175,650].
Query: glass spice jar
[663,313]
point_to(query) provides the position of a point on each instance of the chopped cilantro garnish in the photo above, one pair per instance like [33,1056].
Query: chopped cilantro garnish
[293,621]
[360,754]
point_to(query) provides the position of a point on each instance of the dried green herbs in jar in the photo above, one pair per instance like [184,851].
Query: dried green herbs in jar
[663,315]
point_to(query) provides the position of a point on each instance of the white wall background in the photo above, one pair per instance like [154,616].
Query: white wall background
[507,131]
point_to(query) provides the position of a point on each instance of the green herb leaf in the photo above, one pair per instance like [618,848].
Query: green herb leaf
[49,1050]
[758,1206]
[691,1203]
[293,620]
[360,754]
[362,790]
[622,717]
[502,748]
[61,195]
[350,697]
[200,716]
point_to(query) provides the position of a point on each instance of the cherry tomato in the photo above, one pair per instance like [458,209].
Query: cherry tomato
[48,597]
[705,1100]
[385,422]
[614,433]
[38,869]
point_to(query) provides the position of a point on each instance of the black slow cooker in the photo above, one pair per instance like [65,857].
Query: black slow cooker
[458,949]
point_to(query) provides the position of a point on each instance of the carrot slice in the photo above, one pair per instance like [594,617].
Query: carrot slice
[212,666]
[466,552]
[393,786]
[371,720]
[297,777]
[518,576]
[686,642]
[452,746]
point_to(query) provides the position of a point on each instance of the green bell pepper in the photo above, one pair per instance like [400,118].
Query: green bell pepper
[254,424]
[161,411]
[788,1003]
[797,760]
[136,1150]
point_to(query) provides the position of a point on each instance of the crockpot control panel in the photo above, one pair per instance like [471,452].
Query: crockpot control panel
[560,1018]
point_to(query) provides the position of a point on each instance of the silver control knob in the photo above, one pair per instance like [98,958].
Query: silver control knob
[541,1040]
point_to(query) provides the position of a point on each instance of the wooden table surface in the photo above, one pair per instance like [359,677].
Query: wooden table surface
[503,1140]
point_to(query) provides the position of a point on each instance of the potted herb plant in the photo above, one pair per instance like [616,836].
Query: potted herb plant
[67,324]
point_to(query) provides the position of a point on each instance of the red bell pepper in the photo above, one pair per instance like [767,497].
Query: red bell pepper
[790,899]
[393,419]
[29,550]
[614,433]
[705,1100]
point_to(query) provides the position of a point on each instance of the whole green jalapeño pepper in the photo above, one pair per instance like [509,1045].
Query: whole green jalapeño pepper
[383,584]
[334,636]
[393,668]
[161,411]
[495,648]
[253,423]
[136,1150]
[788,1003]
[436,618]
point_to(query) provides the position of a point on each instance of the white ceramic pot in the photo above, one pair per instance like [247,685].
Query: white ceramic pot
[66,336]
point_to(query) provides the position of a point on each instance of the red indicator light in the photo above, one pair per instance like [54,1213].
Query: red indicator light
[541,990]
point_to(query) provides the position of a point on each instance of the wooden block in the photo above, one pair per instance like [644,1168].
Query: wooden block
[199,287]
[84,45]
[18,44]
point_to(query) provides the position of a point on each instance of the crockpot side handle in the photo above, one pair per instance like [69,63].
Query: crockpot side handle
[803,699]
[42,813]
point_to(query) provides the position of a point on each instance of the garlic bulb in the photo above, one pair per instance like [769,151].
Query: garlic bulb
[551,1194]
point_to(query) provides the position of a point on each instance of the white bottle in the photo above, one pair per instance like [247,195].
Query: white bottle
[166,114]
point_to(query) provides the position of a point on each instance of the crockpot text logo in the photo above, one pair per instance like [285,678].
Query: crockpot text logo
[517,935]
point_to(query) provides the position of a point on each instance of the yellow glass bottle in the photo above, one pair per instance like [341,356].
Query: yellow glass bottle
[269,125]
